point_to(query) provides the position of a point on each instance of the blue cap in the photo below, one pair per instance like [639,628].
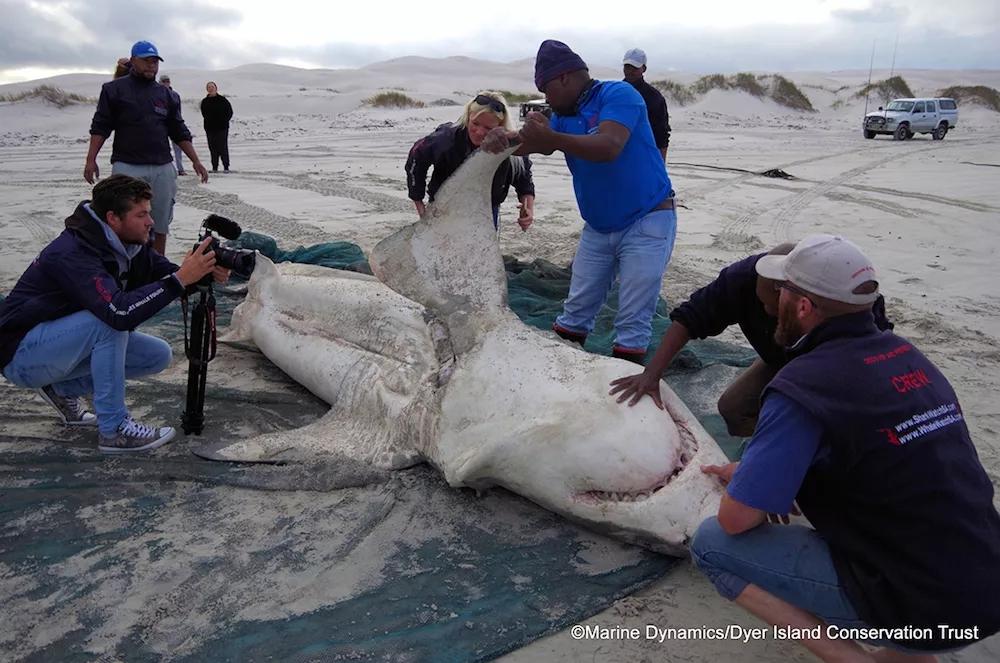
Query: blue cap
[145,49]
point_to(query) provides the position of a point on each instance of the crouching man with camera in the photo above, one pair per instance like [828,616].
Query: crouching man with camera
[67,329]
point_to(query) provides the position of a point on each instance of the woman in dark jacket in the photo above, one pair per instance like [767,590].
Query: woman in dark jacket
[217,112]
[452,143]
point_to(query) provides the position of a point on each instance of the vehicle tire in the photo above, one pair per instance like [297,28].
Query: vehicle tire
[902,132]
[940,132]
[869,134]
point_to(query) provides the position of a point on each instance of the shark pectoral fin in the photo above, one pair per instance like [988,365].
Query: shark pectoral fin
[331,438]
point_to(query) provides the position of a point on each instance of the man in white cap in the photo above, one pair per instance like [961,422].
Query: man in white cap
[634,66]
[145,117]
[867,437]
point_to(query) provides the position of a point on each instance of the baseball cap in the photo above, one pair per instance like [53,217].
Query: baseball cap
[825,265]
[635,57]
[145,49]
[165,78]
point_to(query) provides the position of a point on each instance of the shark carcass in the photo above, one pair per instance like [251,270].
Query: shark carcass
[425,361]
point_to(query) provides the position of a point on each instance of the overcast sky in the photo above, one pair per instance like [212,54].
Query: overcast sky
[45,37]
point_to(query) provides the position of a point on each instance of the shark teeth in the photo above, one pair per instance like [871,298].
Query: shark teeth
[605,496]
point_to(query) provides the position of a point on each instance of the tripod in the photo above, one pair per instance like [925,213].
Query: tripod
[199,351]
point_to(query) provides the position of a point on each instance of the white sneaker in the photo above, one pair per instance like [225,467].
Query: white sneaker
[133,436]
[72,411]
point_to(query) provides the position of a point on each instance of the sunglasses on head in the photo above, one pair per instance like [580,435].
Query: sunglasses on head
[493,104]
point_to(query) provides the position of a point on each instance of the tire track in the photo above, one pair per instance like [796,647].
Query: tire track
[785,210]
[258,219]
[337,188]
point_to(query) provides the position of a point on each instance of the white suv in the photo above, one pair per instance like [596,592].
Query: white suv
[904,117]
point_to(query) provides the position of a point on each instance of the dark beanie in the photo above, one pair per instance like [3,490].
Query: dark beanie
[555,59]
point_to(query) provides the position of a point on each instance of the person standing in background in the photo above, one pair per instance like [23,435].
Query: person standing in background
[178,158]
[217,112]
[144,118]
[634,66]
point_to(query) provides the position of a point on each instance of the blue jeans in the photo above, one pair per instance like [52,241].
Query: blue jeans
[638,256]
[79,355]
[178,158]
[791,562]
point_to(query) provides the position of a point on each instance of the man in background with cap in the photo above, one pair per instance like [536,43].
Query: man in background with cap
[866,435]
[144,117]
[622,189]
[634,66]
[178,156]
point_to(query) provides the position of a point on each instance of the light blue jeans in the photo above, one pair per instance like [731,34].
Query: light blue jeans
[80,355]
[791,562]
[178,158]
[638,256]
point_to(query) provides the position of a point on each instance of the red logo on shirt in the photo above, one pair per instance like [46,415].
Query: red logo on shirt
[102,291]
[891,434]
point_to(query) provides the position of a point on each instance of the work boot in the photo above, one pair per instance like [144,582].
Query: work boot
[72,411]
[575,337]
[633,355]
[133,436]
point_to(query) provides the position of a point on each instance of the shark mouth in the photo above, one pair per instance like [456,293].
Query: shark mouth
[602,497]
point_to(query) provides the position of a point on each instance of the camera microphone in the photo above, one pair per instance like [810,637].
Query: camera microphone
[220,224]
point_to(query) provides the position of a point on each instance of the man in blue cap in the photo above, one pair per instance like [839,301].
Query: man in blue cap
[145,118]
[622,189]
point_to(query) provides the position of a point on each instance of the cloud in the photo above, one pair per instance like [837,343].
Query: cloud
[878,12]
[95,33]
[74,34]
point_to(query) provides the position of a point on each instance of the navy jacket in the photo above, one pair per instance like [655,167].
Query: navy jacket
[731,299]
[144,117]
[446,149]
[656,109]
[79,271]
[899,495]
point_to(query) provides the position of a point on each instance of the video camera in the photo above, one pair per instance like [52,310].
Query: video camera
[200,349]
[240,261]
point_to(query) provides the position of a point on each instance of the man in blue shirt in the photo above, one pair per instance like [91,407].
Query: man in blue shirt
[867,437]
[622,188]
[145,117]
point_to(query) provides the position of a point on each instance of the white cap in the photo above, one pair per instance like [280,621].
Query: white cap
[635,57]
[825,265]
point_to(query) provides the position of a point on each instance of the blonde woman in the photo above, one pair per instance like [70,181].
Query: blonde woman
[452,143]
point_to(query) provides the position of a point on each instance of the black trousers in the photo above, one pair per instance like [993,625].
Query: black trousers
[218,147]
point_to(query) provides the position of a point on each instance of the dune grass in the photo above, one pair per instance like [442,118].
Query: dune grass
[777,88]
[708,83]
[973,94]
[519,97]
[786,93]
[748,83]
[393,100]
[51,94]
[679,93]
[887,90]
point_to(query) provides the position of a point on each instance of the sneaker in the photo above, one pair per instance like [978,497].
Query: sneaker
[133,436]
[72,411]
[182,172]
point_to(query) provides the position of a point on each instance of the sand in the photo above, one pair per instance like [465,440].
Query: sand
[312,163]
